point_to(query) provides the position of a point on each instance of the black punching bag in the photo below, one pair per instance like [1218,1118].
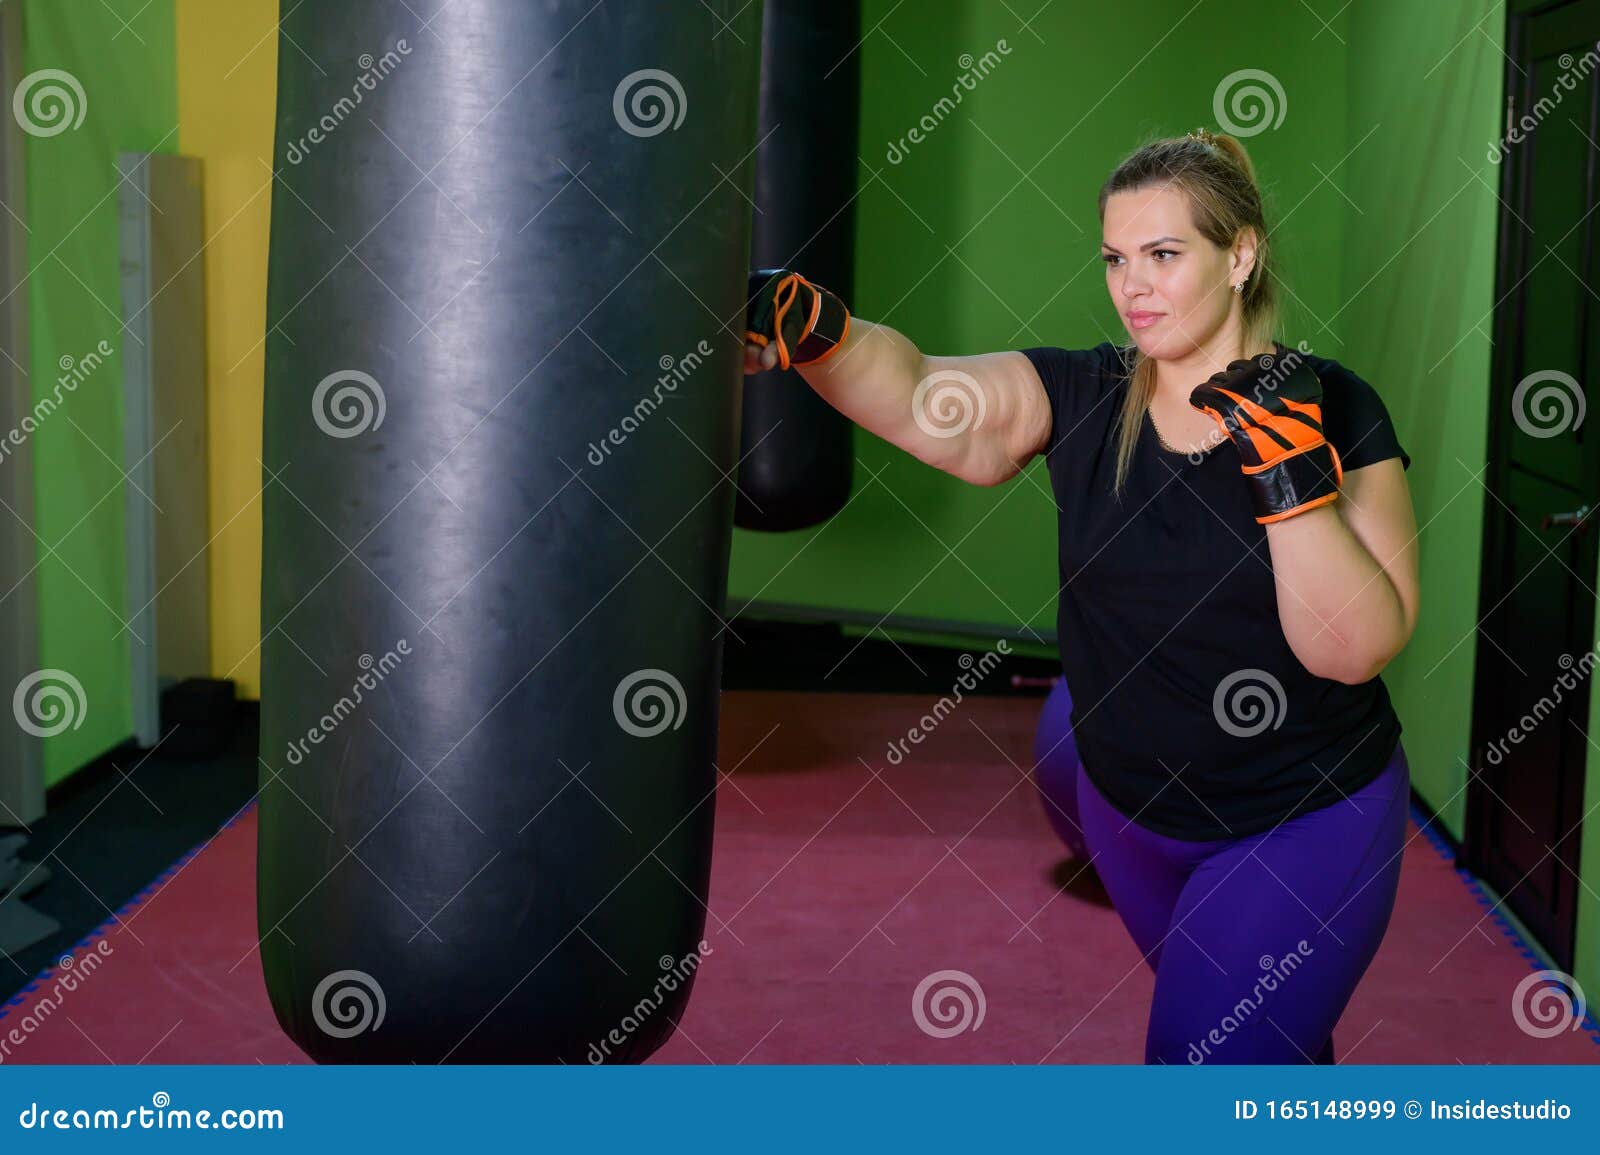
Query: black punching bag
[797,452]
[504,233]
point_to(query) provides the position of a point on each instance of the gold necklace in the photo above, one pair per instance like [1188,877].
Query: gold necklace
[1161,437]
[1167,445]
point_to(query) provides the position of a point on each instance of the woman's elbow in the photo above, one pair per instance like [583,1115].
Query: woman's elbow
[990,475]
[990,460]
[1341,666]
[1353,673]
[1354,666]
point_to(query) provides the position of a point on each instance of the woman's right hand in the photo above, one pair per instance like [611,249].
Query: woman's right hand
[979,418]
[757,359]
[802,323]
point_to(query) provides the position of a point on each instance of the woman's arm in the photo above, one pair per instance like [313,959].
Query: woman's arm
[982,417]
[1347,575]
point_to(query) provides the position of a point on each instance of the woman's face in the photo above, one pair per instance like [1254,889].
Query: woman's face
[1172,287]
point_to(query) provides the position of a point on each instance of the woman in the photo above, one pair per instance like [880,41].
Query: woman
[1238,563]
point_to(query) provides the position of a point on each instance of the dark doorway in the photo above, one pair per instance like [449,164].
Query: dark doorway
[1535,655]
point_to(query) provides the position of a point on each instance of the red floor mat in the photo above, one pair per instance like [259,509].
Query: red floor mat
[838,886]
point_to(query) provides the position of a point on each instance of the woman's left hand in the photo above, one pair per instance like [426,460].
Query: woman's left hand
[1271,408]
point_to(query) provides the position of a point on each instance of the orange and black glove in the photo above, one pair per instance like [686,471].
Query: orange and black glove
[806,321]
[1271,407]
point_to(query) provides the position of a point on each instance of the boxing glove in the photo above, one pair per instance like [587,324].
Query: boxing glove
[806,321]
[1271,408]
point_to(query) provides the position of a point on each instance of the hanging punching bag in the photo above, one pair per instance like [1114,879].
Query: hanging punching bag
[492,571]
[796,450]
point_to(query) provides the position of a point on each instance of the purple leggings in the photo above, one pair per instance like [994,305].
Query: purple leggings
[1257,943]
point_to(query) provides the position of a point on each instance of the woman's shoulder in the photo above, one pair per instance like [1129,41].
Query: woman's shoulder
[1333,374]
[1355,417]
[1097,366]
[1340,382]
[1079,383]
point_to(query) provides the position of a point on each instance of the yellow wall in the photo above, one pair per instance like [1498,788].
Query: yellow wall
[227,78]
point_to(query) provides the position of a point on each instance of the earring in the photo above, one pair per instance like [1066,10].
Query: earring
[1239,288]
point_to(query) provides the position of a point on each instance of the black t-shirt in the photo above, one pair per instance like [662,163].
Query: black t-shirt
[1191,713]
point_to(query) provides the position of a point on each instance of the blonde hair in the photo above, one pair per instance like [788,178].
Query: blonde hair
[1215,173]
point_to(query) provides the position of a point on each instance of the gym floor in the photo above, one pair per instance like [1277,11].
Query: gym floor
[836,887]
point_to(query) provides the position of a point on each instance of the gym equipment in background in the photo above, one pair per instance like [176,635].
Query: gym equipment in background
[498,848]
[796,451]
[198,716]
[20,925]
[161,216]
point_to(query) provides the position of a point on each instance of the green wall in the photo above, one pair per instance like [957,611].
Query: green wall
[1425,102]
[1418,288]
[122,54]
[985,237]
